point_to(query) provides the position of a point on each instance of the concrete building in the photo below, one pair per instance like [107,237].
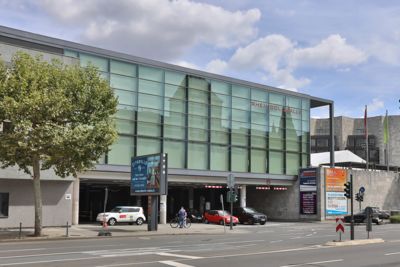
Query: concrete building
[209,125]
[349,134]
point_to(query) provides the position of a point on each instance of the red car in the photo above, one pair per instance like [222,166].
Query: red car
[219,216]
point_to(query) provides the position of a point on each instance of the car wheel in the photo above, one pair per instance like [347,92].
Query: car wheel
[139,221]
[221,222]
[112,221]
[234,224]
[262,223]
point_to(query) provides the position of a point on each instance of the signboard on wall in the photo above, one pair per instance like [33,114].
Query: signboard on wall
[308,191]
[149,175]
[335,179]
[336,203]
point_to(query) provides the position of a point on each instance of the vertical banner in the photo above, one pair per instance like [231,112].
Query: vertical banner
[336,202]
[308,191]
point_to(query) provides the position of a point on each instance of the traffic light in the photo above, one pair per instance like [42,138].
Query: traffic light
[358,197]
[361,197]
[235,197]
[348,189]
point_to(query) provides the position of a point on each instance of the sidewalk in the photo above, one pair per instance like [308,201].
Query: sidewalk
[92,230]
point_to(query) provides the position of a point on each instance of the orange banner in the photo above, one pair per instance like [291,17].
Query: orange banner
[335,179]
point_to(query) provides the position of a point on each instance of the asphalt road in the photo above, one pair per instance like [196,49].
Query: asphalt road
[273,244]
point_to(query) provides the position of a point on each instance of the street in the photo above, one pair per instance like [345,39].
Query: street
[273,244]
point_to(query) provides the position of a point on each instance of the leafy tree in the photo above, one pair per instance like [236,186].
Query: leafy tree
[55,116]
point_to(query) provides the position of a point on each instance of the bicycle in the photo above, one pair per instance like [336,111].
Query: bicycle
[175,223]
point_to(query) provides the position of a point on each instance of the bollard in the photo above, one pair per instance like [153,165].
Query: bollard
[20,230]
[66,230]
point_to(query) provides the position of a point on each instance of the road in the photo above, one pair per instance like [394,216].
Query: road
[273,244]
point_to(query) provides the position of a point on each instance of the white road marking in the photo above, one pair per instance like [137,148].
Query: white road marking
[275,241]
[35,262]
[17,250]
[311,263]
[178,255]
[393,253]
[176,264]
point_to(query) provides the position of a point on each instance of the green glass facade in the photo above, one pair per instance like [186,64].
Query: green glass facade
[203,123]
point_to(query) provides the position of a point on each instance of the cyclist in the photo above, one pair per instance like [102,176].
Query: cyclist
[182,217]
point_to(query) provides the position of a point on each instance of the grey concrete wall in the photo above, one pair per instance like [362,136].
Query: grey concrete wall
[57,210]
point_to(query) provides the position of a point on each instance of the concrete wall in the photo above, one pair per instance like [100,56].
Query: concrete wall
[57,210]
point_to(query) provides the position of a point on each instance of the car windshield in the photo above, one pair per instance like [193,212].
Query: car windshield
[223,212]
[116,210]
[249,210]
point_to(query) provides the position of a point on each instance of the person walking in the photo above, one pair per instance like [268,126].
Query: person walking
[182,217]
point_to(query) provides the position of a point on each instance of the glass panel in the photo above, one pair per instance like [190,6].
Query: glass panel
[305,104]
[70,53]
[150,101]
[219,137]
[149,87]
[174,132]
[123,82]
[239,139]
[198,122]
[240,115]
[259,130]
[176,153]
[125,97]
[239,159]
[292,146]
[240,127]
[149,115]
[198,109]
[105,76]
[198,96]
[304,147]
[259,141]
[259,118]
[125,114]
[173,91]
[219,112]
[125,126]
[175,105]
[99,62]
[219,158]
[276,99]
[293,102]
[240,91]
[197,156]
[240,103]
[198,83]
[148,129]
[275,162]
[275,143]
[305,126]
[292,134]
[220,87]
[292,163]
[122,68]
[121,151]
[152,74]
[275,122]
[259,95]
[175,78]
[220,100]
[304,161]
[293,124]
[305,115]
[198,134]
[173,118]
[293,113]
[220,125]
[148,146]
[258,161]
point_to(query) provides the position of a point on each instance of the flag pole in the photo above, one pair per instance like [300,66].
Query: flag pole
[387,141]
[366,135]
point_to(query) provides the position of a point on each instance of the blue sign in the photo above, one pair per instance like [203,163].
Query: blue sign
[148,175]
[308,180]
[362,189]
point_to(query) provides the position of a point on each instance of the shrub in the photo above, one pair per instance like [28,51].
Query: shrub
[395,219]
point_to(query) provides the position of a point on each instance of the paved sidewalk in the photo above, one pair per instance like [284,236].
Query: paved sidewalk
[92,230]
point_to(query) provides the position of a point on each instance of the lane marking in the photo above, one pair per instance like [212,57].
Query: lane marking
[275,241]
[311,263]
[178,256]
[35,262]
[393,253]
[176,264]
[17,250]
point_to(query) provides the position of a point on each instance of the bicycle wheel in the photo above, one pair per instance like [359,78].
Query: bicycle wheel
[174,223]
[188,223]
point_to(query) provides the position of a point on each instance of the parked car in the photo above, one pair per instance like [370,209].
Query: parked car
[195,216]
[383,214]
[361,217]
[219,216]
[123,214]
[249,215]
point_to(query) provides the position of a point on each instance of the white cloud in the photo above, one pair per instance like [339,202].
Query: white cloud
[386,51]
[278,57]
[216,66]
[186,64]
[376,105]
[158,29]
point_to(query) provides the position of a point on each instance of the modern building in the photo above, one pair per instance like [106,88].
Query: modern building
[349,134]
[209,125]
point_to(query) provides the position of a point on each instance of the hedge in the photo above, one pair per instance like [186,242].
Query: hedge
[395,219]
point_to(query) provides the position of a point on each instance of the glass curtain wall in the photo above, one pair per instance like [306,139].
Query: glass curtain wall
[202,123]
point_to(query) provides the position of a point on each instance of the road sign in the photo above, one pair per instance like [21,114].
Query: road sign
[362,189]
[339,225]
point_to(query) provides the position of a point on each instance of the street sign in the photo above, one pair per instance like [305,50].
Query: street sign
[362,189]
[230,180]
[339,225]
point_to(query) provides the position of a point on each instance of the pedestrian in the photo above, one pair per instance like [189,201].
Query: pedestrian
[182,217]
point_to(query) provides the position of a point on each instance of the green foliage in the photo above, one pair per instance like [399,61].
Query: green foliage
[60,113]
[395,219]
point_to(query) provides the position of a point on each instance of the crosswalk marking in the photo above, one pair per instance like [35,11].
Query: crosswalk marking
[175,264]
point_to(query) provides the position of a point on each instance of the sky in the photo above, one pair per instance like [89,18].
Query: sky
[347,51]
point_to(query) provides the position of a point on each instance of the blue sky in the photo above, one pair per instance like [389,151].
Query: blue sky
[347,51]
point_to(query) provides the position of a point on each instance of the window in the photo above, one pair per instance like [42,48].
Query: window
[4,203]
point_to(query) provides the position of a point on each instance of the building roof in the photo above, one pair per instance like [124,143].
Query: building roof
[340,156]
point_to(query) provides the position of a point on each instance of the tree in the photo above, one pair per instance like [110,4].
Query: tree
[55,116]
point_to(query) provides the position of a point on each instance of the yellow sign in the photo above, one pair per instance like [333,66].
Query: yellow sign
[335,179]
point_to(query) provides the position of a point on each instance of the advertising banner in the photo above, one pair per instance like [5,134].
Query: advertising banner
[308,180]
[336,203]
[308,202]
[149,175]
[335,179]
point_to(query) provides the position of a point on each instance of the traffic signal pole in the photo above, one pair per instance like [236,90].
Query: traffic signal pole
[351,204]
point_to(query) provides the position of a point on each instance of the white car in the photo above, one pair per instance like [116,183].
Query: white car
[123,214]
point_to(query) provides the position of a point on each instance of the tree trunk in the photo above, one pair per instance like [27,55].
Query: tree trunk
[37,195]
